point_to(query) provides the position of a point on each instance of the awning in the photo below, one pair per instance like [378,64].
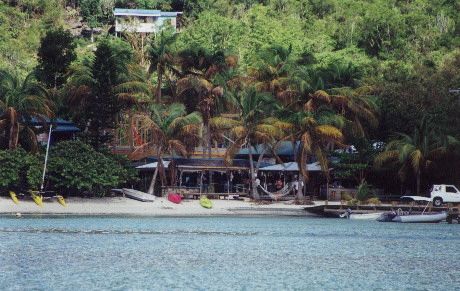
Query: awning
[292,167]
[153,165]
[194,164]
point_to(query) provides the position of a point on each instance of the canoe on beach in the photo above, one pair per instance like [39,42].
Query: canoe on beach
[138,195]
[14,197]
[174,198]
[37,198]
[205,202]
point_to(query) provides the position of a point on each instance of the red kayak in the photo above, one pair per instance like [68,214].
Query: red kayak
[174,198]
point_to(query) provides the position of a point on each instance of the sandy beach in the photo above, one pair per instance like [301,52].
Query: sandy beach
[161,207]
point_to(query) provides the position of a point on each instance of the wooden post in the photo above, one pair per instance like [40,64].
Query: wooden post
[131,133]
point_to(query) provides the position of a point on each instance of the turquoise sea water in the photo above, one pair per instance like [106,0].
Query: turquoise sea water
[231,253]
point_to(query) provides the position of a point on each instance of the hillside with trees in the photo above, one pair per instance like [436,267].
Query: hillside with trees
[323,73]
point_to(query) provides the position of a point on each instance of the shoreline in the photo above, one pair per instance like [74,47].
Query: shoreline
[122,206]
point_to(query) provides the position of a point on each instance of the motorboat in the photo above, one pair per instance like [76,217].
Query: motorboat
[138,195]
[362,216]
[414,218]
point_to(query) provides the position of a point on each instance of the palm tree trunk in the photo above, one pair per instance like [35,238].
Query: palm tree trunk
[300,194]
[154,178]
[14,135]
[160,81]
[255,193]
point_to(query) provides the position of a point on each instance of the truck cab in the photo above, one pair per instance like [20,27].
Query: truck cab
[444,193]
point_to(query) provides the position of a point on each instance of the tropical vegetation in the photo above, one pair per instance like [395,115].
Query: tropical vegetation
[324,75]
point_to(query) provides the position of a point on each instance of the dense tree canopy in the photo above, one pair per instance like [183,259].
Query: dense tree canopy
[350,69]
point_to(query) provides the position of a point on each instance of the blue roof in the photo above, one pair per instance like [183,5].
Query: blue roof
[143,12]
[59,124]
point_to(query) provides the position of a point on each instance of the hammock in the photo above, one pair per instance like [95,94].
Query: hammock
[278,194]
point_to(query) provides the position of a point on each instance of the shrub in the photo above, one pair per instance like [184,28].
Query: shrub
[20,170]
[365,191]
[75,166]
[347,197]
[374,201]
[352,202]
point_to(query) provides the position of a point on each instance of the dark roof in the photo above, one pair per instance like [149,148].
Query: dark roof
[59,124]
[284,149]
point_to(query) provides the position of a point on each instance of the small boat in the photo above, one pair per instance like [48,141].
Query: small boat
[205,202]
[174,198]
[138,195]
[38,198]
[14,197]
[414,218]
[61,200]
[362,216]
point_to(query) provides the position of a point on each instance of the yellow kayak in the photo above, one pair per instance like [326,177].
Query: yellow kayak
[14,197]
[205,202]
[61,200]
[37,198]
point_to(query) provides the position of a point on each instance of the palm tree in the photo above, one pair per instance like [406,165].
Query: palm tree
[254,126]
[196,88]
[21,100]
[161,57]
[315,131]
[415,153]
[271,73]
[172,132]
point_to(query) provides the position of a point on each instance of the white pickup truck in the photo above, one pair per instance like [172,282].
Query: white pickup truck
[443,194]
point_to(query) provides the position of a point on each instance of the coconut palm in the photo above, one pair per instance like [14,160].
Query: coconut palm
[196,88]
[161,57]
[21,100]
[254,126]
[172,132]
[315,131]
[415,153]
[271,73]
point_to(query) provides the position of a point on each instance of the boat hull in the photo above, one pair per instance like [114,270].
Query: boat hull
[38,199]
[421,218]
[14,197]
[367,216]
[174,198]
[205,202]
[414,218]
[138,195]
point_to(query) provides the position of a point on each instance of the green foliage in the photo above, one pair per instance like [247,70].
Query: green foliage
[74,165]
[356,165]
[347,197]
[91,11]
[56,53]
[365,191]
[374,201]
[20,170]
[101,88]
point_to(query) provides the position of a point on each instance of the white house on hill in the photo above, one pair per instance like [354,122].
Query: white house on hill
[146,21]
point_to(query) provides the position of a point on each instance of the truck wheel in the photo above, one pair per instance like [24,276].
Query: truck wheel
[437,201]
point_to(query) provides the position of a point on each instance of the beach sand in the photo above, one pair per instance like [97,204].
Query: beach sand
[161,207]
